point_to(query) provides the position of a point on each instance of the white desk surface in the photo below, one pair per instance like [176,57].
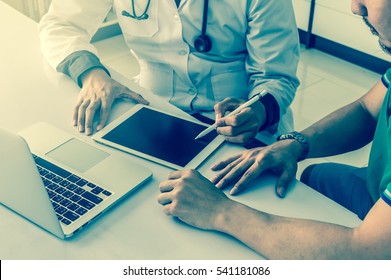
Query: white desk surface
[137,228]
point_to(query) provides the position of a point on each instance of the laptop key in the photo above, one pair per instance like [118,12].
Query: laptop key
[51,194]
[65,221]
[67,194]
[43,172]
[79,191]
[57,179]
[95,199]
[60,190]
[46,182]
[71,216]
[97,190]
[86,204]
[81,211]
[61,210]
[50,166]
[73,178]
[81,182]
[72,187]
[75,198]
[50,175]
[107,193]
[57,198]
[52,186]
[55,205]
[64,183]
[65,202]
[73,206]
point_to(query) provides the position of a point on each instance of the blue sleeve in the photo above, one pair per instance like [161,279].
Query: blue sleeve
[272,111]
[77,63]
[386,78]
[386,195]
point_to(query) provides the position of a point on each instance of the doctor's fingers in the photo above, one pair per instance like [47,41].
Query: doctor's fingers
[242,126]
[236,120]
[105,108]
[79,114]
[228,104]
[128,94]
[242,138]
[90,112]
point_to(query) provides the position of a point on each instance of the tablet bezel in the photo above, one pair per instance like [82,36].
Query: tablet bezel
[193,164]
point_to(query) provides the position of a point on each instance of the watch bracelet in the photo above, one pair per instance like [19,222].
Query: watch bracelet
[294,135]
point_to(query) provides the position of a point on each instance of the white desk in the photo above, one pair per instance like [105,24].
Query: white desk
[137,228]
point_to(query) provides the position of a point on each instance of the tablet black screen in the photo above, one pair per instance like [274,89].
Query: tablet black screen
[160,135]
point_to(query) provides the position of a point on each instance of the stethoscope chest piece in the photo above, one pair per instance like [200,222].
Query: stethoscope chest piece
[203,43]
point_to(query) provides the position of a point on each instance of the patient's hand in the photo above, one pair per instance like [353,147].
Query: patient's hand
[97,95]
[281,158]
[193,199]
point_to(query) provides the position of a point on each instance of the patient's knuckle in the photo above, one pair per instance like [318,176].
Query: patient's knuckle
[167,210]
[174,207]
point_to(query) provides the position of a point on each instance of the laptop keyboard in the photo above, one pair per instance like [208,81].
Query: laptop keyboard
[71,196]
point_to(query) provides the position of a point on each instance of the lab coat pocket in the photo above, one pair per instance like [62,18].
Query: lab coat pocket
[158,78]
[140,21]
[229,80]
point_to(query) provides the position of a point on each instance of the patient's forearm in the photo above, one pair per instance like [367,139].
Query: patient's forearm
[277,237]
[345,130]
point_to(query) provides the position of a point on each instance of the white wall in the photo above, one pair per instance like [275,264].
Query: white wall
[334,20]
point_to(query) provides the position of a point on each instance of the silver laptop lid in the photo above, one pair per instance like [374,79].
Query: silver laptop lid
[21,188]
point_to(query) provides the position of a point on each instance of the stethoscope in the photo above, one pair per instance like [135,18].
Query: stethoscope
[202,43]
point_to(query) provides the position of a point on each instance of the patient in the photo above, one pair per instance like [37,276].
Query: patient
[199,202]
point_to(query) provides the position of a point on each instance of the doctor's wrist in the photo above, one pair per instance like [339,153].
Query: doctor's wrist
[260,112]
[92,74]
[272,111]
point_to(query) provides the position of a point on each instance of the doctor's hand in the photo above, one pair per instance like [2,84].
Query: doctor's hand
[97,95]
[193,199]
[240,128]
[280,158]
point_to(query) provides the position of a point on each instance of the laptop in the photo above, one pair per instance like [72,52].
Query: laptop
[60,182]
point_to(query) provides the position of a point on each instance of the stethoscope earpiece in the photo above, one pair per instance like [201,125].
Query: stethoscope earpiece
[143,16]
[203,43]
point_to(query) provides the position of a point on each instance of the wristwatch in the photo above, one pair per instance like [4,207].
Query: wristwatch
[305,147]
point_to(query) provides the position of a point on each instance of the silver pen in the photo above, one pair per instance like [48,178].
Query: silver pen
[251,101]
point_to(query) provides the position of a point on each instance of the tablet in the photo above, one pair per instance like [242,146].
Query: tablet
[160,137]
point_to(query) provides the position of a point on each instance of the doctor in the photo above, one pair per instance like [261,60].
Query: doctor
[199,55]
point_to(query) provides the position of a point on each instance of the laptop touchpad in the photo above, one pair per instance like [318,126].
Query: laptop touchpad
[77,155]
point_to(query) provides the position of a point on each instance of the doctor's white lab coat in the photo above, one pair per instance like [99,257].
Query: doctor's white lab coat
[255,47]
